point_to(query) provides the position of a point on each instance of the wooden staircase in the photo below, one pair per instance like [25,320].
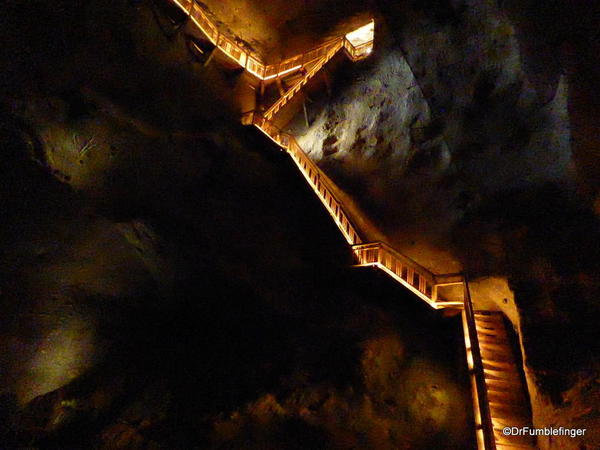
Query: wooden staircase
[310,71]
[499,394]
[507,398]
[420,281]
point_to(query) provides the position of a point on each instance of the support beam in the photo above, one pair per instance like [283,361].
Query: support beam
[210,57]
[305,113]
[280,87]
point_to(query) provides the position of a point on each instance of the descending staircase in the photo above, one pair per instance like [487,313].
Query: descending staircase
[311,70]
[430,287]
[507,399]
[252,62]
[499,396]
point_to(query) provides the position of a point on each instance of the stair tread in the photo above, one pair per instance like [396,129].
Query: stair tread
[486,333]
[500,364]
[500,359]
[502,382]
[500,423]
[505,391]
[501,372]
[506,399]
[508,379]
[487,329]
[487,318]
[515,408]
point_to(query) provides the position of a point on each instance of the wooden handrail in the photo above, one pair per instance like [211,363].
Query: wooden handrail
[247,59]
[287,96]
[426,273]
[408,272]
[311,172]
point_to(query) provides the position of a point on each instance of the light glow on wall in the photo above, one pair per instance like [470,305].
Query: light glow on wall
[362,35]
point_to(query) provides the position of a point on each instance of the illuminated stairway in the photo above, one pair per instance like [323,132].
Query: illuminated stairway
[432,288]
[507,399]
[311,70]
[355,47]
[499,397]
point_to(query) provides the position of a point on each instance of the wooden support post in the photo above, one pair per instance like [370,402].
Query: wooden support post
[210,57]
[305,113]
[280,86]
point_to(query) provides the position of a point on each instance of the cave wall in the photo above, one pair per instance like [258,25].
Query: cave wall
[499,169]
[450,120]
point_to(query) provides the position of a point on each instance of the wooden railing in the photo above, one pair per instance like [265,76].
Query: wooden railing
[328,53]
[358,52]
[313,175]
[416,278]
[407,272]
[250,60]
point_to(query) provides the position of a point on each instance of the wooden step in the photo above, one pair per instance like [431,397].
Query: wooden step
[486,328]
[481,335]
[498,358]
[504,358]
[502,382]
[500,422]
[483,323]
[492,339]
[502,348]
[503,376]
[496,365]
[515,405]
[517,409]
[488,317]
[504,396]
[500,373]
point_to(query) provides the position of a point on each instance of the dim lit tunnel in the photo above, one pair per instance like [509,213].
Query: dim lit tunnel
[169,280]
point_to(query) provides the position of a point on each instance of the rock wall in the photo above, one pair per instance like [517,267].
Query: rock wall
[460,127]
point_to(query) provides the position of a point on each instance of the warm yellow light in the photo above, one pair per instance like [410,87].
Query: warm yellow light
[299,66]
[362,35]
